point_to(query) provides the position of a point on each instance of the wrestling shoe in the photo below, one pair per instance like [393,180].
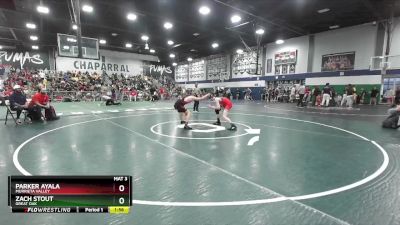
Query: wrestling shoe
[186,127]
[233,127]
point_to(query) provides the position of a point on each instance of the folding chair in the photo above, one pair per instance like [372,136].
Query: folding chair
[12,113]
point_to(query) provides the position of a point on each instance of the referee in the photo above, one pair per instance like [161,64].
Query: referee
[197,93]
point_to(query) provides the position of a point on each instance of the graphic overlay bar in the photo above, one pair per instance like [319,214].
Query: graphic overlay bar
[69,194]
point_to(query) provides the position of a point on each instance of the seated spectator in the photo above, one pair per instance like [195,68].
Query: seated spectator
[41,100]
[2,98]
[18,102]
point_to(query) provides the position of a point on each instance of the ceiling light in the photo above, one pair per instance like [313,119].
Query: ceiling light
[260,31]
[334,27]
[204,10]
[215,45]
[145,38]
[103,42]
[75,27]
[239,51]
[35,47]
[1,47]
[236,19]
[42,9]
[279,42]
[33,37]
[324,10]
[196,34]
[152,51]
[174,64]
[71,39]
[131,16]
[128,45]
[114,34]
[31,25]
[169,42]
[168,25]
[172,55]
[189,59]
[87,8]
[66,47]
[193,50]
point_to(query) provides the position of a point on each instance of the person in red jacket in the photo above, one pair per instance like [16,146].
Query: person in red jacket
[225,104]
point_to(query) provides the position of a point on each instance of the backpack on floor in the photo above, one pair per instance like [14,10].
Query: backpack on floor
[35,113]
[50,114]
[391,121]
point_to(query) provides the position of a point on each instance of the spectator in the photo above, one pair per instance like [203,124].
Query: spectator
[41,101]
[301,91]
[307,95]
[316,92]
[374,94]
[197,93]
[397,96]
[327,94]
[361,96]
[292,94]
[18,102]
[237,93]
[349,95]
[133,95]
[248,94]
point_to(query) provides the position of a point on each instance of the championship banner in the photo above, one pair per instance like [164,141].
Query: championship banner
[247,64]
[182,73]
[289,57]
[338,62]
[18,60]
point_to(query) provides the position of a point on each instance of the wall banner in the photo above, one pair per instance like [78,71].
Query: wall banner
[338,61]
[17,60]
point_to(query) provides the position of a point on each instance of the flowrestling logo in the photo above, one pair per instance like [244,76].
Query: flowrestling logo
[20,58]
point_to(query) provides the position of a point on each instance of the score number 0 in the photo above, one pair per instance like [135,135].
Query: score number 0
[121,200]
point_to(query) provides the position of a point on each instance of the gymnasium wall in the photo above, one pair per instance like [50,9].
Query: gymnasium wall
[359,39]
[395,46]
[301,44]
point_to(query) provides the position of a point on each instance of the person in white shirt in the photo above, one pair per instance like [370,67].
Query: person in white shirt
[301,92]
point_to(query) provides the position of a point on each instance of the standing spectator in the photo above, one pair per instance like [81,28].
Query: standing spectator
[327,94]
[397,96]
[361,97]
[18,102]
[237,93]
[316,93]
[133,95]
[344,97]
[196,93]
[349,96]
[301,92]
[307,95]
[229,93]
[292,94]
[248,94]
[374,94]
